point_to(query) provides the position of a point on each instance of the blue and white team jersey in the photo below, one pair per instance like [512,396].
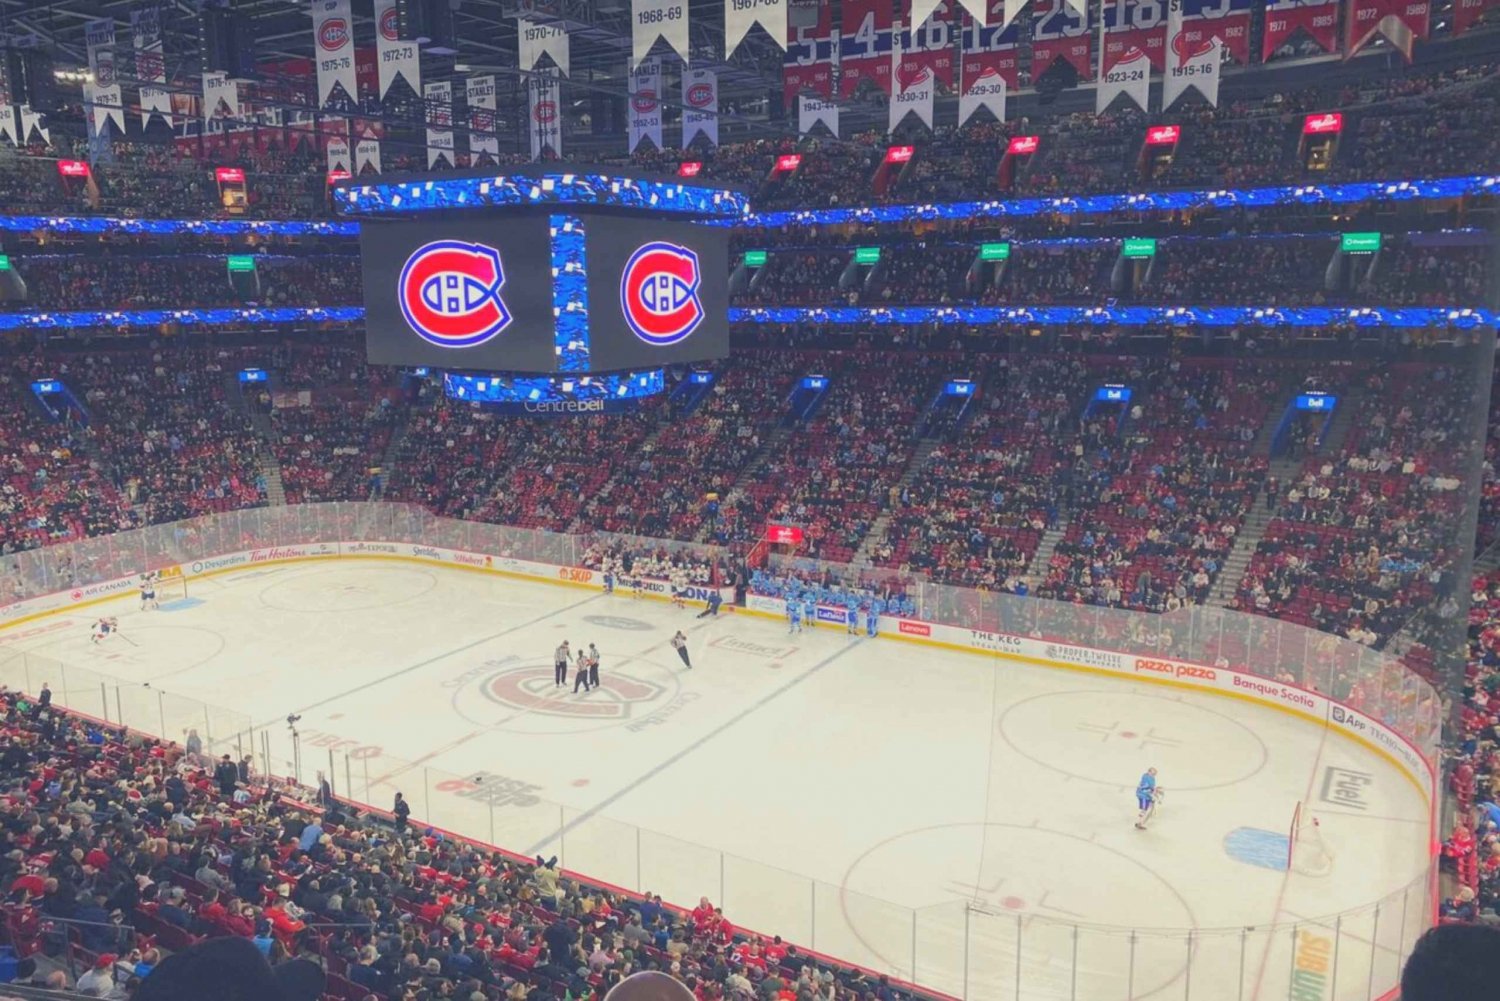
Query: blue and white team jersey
[810,608]
[1146,790]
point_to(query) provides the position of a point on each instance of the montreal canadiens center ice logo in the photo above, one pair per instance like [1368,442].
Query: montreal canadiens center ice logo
[659,293]
[449,292]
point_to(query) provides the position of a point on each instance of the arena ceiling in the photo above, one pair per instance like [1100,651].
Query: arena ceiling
[485,30]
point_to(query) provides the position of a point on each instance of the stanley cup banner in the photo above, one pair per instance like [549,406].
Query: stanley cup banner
[394,58]
[653,19]
[438,100]
[537,40]
[988,68]
[31,121]
[740,16]
[367,156]
[921,10]
[1191,61]
[813,110]
[103,94]
[338,156]
[150,66]
[480,94]
[221,101]
[1124,66]
[544,114]
[645,104]
[8,123]
[700,106]
[333,47]
[912,87]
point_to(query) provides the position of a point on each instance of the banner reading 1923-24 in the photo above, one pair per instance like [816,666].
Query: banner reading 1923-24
[1059,32]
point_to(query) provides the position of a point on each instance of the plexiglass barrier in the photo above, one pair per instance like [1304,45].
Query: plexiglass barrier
[963,948]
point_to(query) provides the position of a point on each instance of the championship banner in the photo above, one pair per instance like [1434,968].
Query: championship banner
[865,46]
[813,110]
[1130,26]
[1467,12]
[438,100]
[1124,66]
[1402,22]
[645,104]
[653,19]
[479,92]
[700,106]
[808,63]
[544,114]
[912,88]
[8,123]
[1226,20]
[338,156]
[537,40]
[1060,32]
[221,100]
[1284,18]
[930,43]
[150,65]
[988,68]
[395,58]
[333,49]
[367,154]
[740,17]
[1190,62]
[103,94]
[32,121]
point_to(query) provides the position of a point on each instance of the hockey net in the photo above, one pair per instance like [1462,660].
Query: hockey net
[170,586]
[1307,852]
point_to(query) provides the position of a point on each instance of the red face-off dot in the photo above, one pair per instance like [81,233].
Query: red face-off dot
[1013,904]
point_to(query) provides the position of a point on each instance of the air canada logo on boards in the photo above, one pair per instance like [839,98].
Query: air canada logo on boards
[659,293]
[390,25]
[531,690]
[449,293]
[333,34]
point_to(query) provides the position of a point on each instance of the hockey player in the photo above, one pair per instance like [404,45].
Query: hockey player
[872,617]
[679,589]
[148,591]
[810,609]
[793,614]
[851,618]
[608,569]
[104,628]
[1145,798]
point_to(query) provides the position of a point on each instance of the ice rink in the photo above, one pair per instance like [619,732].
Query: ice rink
[929,814]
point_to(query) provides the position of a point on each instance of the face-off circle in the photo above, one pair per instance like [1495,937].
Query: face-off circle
[1109,738]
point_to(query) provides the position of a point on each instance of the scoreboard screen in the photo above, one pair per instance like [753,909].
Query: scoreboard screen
[565,291]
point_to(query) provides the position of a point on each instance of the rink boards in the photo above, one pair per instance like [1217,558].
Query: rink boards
[1309,705]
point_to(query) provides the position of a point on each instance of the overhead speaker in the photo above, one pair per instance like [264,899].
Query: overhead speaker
[227,43]
[802,13]
[1060,76]
[31,81]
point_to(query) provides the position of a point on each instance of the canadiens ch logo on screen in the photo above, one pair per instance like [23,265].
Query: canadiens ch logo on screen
[449,292]
[659,293]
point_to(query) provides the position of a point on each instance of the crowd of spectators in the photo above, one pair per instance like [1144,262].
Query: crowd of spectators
[122,853]
[1363,535]
[61,283]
